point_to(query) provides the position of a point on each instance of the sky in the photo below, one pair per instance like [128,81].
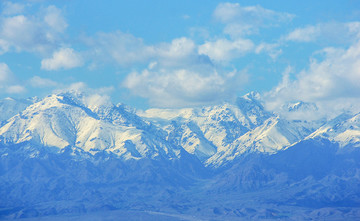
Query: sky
[174,54]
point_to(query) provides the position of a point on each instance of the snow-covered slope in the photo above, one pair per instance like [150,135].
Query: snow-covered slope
[63,120]
[218,134]
[344,130]
[209,130]
[273,135]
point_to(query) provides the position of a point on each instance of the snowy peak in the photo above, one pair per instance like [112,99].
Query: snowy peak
[344,130]
[253,95]
[210,130]
[216,135]
[251,107]
[50,122]
[273,135]
[301,106]
[63,120]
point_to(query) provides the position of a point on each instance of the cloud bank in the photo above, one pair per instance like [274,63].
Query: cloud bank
[333,82]
[184,87]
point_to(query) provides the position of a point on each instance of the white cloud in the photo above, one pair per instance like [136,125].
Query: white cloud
[307,34]
[78,86]
[39,33]
[273,50]
[39,82]
[229,12]
[64,58]
[4,46]
[225,50]
[333,83]
[123,48]
[8,82]
[326,32]
[179,48]
[238,30]
[241,21]
[5,73]
[18,31]
[10,8]
[245,20]
[96,100]
[54,19]
[152,65]
[184,87]
[15,89]
[186,17]
[91,97]
[199,33]
[179,53]
[82,87]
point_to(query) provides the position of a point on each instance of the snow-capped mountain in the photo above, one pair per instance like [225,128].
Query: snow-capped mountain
[62,120]
[74,153]
[273,135]
[202,131]
[344,130]
[218,134]
[209,130]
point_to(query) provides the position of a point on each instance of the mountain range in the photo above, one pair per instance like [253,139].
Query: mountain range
[65,155]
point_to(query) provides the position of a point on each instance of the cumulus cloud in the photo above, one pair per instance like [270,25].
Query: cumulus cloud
[64,58]
[184,87]
[239,22]
[333,82]
[180,50]
[225,50]
[244,20]
[39,33]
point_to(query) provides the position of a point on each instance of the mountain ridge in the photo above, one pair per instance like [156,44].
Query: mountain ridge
[98,156]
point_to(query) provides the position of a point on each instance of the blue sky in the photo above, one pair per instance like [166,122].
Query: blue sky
[183,53]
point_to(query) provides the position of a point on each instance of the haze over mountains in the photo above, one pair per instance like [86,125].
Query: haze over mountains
[68,153]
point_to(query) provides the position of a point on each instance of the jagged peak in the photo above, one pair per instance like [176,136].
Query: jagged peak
[250,101]
[93,102]
[300,106]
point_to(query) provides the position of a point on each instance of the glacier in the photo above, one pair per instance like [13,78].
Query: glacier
[64,158]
